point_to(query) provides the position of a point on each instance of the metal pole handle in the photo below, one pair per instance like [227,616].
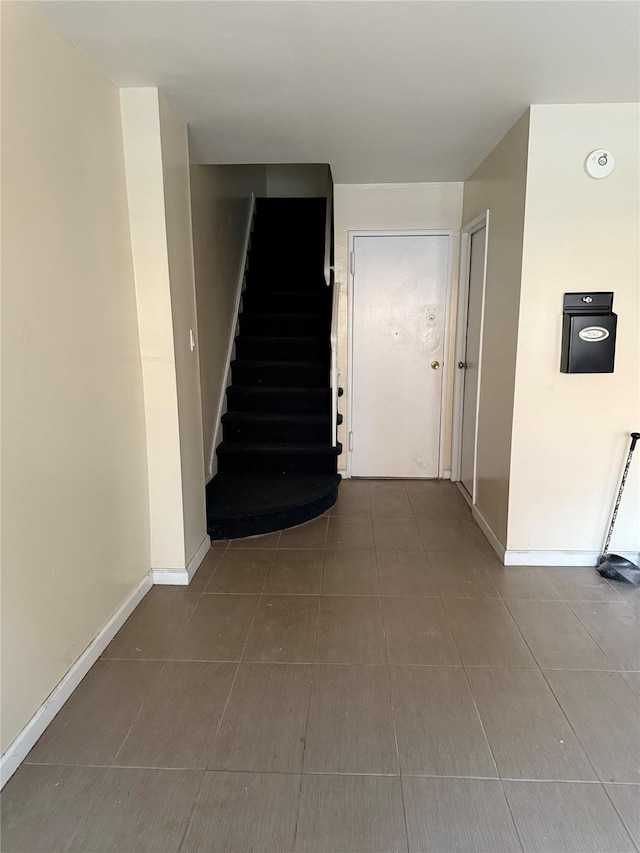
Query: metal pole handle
[634,439]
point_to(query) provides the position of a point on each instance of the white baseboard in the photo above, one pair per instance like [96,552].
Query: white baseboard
[24,742]
[182,577]
[484,525]
[446,474]
[559,558]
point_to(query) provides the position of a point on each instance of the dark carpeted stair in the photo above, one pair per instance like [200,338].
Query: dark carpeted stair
[276,464]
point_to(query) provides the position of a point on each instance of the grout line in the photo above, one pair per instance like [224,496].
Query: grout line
[513,819]
[159,769]
[156,680]
[194,806]
[620,818]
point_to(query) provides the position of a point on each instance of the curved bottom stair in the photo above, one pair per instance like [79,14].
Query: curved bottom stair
[248,504]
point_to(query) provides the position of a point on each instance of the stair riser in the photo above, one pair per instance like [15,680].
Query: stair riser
[260,279]
[283,432]
[284,325]
[285,402]
[261,302]
[291,375]
[279,349]
[277,462]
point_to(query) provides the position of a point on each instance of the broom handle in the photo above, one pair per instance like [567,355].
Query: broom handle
[634,438]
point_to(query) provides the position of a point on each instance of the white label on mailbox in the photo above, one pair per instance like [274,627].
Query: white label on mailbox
[593,334]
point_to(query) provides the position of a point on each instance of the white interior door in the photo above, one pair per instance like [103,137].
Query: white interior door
[471,358]
[398,329]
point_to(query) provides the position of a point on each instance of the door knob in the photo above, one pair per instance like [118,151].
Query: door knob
[462,365]
[435,365]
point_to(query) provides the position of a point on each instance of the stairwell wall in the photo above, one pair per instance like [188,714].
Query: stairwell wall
[75,512]
[220,205]
[361,207]
[157,170]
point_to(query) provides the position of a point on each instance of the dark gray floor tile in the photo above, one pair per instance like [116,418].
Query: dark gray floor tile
[350,726]
[458,816]
[615,626]
[605,715]
[203,575]
[42,806]
[242,572]
[353,499]
[485,633]
[400,533]
[477,538]
[564,817]
[313,534]
[389,500]
[626,800]
[296,573]
[443,534]
[633,680]
[522,582]
[529,735]
[460,504]
[417,631]
[95,720]
[359,814]
[556,637]
[350,630]
[350,532]
[141,810]
[462,575]
[217,629]
[154,626]
[580,584]
[267,540]
[405,573]
[264,722]
[220,544]
[178,716]
[284,629]
[432,505]
[248,812]
[350,572]
[438,729]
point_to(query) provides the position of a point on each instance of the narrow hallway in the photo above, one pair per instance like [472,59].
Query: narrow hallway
[373,680]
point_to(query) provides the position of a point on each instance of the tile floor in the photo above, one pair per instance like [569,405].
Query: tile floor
[371,681]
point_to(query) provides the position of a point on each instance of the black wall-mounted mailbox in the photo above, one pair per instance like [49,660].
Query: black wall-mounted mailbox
[588,333]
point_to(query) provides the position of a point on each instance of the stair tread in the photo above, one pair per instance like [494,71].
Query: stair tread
[275,447]
[274,417]
[235,495]
[271,338]
[276,389]
[279,362]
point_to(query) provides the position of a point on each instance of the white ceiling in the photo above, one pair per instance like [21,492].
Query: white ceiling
[383,91]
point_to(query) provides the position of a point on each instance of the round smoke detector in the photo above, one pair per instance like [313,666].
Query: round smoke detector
[599,164]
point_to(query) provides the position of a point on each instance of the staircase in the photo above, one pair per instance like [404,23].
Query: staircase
[276,464]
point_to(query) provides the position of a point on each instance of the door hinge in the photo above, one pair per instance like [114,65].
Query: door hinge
[350,441]
[352,262]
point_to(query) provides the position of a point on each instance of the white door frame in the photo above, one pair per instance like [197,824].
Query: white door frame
[433,232]
[466,233]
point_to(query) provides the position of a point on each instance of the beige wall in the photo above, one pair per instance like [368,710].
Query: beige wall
[75,525]
[295,180]
[499,184]
[380,207]
[571,431]
[156,160]
[220,204]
